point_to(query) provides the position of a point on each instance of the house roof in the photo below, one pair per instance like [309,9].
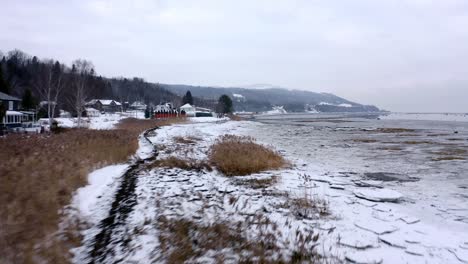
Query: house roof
[137,103]
[103,102]
[203,109]
[15,113]
[187,106]
[7,97]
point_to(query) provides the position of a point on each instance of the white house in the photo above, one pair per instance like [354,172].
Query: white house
[92,112]
[12,118]
[137,105]
[188,109]
[164,107]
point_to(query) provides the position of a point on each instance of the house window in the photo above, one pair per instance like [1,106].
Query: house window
[10,105]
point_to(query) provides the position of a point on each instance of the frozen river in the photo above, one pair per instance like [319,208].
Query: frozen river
[425,160]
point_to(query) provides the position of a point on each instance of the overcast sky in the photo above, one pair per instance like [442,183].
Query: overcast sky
[401,55]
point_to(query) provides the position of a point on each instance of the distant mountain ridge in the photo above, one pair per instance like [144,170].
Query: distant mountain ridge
[263,99]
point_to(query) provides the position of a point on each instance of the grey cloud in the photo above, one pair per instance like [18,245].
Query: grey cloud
[401,55]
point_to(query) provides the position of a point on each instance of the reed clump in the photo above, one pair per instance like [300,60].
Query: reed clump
[240,155]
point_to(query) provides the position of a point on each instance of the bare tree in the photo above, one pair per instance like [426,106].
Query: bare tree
[58,72]
[43,84]
[82,70]
[49,84]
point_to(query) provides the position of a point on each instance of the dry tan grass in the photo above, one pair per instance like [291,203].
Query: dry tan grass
[182,241]
[413,142]
[451,151]
[308,207]
[186,140]
[437,135]
[364,140]
[391,148]
[258,183]
[39,173]
[394,130]
[448,158]
[174,162]
[236,155]
[236,117]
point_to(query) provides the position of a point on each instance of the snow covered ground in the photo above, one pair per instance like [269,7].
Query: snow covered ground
[103,121]
[388,197]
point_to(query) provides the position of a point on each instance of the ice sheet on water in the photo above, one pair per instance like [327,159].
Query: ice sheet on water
[378,195]
[460,254]
[410,219]
[394,240]
[358,240]
[363,257]
[415,250]
[378,227]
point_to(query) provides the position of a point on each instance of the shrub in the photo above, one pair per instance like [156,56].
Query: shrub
[238,155]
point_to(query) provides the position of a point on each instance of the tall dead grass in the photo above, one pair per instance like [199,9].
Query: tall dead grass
[39,173]
[239,155]
[174,162]
[184,241]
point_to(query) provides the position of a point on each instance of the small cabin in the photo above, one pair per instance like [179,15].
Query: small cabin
[167,107]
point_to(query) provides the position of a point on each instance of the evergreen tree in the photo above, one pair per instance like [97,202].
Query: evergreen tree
[147,112]
[224,105]
[187,99]
[3,83]
[2,111]
[28,100]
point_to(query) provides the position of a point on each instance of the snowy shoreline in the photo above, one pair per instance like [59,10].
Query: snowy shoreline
[361,227]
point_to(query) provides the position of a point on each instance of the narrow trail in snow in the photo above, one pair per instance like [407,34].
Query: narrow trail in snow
[112,234]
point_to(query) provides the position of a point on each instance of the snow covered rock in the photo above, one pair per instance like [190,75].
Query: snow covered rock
[378,195]
[338,187]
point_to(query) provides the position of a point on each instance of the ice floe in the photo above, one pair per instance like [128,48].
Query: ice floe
[378,195]
[377,227]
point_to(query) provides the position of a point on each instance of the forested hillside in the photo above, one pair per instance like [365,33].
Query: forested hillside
[48,80]
[258,100]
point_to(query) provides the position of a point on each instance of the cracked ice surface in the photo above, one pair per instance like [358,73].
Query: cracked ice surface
[427,221]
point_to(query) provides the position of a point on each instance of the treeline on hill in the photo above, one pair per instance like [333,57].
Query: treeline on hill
[69,87]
